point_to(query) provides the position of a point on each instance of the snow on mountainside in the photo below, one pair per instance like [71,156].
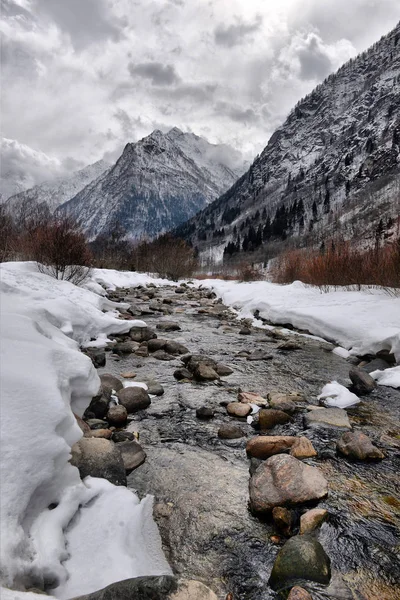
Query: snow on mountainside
[56,192]
[333,167]
[156,184]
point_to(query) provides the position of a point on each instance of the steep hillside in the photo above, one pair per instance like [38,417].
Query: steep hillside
[332,169]
[56,192]
[157,183]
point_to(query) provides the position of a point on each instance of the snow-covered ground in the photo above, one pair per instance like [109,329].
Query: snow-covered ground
[73,536]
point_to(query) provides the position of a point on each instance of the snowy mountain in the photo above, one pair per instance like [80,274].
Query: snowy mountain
[57,191]
[332,169]
[156,184]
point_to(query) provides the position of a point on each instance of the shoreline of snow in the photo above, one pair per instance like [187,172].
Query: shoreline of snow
[46,510]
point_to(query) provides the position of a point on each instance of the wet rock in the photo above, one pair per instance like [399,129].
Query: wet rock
[143,351]
[154,388]
[230,432]
[182,373]
[299,593]
[134,399]
[281,402]
[312,519]
[245,331]
[358,446]
[362,381]
[264,446]
[302,448]
[122,436]
[176,348]
[98,407]
[132,454]
[282,518]
[377,364]
[97,424]
[125,348]
[98,458]
[387,356]
[238,409]
[162,355]
[203,372]
[167,301]
[84,426]
[254,464]
[142,334]
[268,418]
[179,290]
[283,480]
[128,375]
[328,417]
[98,433]
[117,415]
[252,398]
[168,326]
[289,346]
[98,357]
[193,360]
[193,590]
[156,344]
[204,413]
[110,381]
[140,588]
[302,557]
[259,355]
[223,370]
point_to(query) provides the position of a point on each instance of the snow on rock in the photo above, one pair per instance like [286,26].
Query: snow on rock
[43,501]
[339,351]
[110,279]
[389,377]
[337,395]
[362,322]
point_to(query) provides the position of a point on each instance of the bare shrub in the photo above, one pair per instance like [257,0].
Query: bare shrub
[168,256]
[7,235]
[60,250]
[247,272]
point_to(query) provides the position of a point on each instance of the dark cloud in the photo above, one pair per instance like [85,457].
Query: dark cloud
[158,73]
[85,21]
[314,62]
[236,113]
[236,34]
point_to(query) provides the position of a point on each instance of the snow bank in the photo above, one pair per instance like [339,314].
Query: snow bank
[337,395]
[111,279]
[360,321]
[389,377]
[43,374]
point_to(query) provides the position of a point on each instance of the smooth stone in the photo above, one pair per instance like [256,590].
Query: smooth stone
[328,417]
[282,518]
[230,432]
[358,446]
[193,590]
[98,457]
[168,326]
[245,331]
[143,351]
[377,364]
[282,402]
[268,418]
[223,370]
[110,381]
[289,346]
[282,480]
[302,448]
[299,593]
[138,588]
[142,334]
[97,423]
[98,433]
[252,398]
[362,381]
[264,446]
[134,399]
[117,415]
[175,348]
[238,409]
[182,373]
[312,519]
[204,372]
[132,454]
[204,413]
[156,344]
[128,375]
[302,557]
[154,388]
[98,407]
[122,436]
[259,355]
[162,355]
[125,348]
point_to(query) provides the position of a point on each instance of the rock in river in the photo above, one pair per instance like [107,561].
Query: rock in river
[328,417]
[230,432]
[302,557]
[238,409]
[358,446]
[362,381]
[132,454]
[283,480]
[268,418]
[264,446]
[99,458]
[134,399]
[138,588]
[312,519]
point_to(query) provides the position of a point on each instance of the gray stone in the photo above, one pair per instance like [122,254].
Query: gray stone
[98,407]
[139,588]
[176,348]
[125,348]
[168,326]
[98,457]
[377,364]
[97,423]
[98,357]
[328,417]
[302,557]
[122,436]
[182,373]
[230,432]
[358,446]
[132,454]
[204,413]
[362,381]
[223,370]
[156,344]
[154,388]
[203,372]
[162,355]
[110,381]
[142,334]
[117,415]
[134,399]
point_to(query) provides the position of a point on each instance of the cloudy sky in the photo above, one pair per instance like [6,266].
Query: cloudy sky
[80,78]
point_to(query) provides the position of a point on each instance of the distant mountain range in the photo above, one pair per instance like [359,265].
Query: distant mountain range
[332,169]
[156,184]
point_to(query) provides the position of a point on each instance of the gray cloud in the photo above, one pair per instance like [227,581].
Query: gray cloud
[158,73]
[236,113]
[236,34]
[314,62]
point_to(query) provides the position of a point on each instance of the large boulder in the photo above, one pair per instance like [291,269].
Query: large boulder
[328,417]
[358,446]
[302,557]
[134,399]
[98,457]
[140,588]
[362,381]
[282,480]
[264,446]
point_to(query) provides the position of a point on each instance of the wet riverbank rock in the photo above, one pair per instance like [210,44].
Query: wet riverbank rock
[282,480]
[134,399]
[327,417]
[358,446]
[98,457]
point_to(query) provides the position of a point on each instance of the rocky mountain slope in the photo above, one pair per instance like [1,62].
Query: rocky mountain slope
[156,184]
[57,191]
[332,169]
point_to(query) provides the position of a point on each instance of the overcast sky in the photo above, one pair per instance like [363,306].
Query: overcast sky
[83,77]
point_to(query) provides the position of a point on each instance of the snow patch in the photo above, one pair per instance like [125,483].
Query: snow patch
[337,395]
